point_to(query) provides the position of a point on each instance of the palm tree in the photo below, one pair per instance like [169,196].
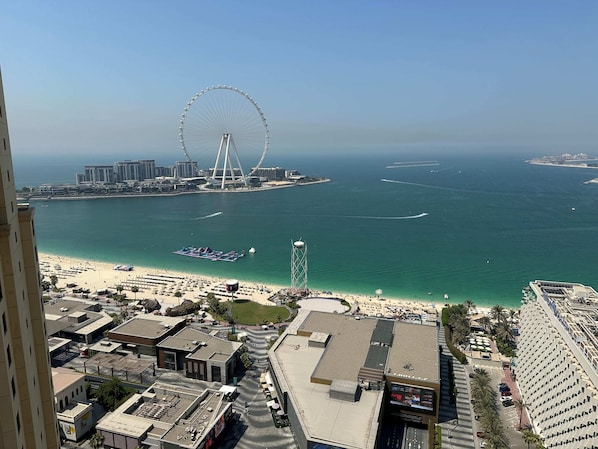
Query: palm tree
[520,406]
[54,281]
[530,437]
[497,313]
[135,289]
[485,321]
[96,441]
[504,332]
[469,304]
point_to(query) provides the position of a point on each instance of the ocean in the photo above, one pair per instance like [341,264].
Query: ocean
[476,227]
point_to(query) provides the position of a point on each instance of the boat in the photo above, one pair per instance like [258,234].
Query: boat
[123,267]
[251,250]
[205,252]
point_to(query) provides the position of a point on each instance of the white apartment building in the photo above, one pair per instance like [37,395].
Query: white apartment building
[558,363]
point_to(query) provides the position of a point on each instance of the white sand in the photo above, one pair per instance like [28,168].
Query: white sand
[162,284]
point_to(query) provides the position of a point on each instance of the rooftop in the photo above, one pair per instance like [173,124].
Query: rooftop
[414,353]
[200,345]
[148,326]
[175,414]
[323,351]
[330,421]
[63,378]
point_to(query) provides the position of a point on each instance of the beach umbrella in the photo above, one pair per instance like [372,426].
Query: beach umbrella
[280,412]
[275,406]
[378,292]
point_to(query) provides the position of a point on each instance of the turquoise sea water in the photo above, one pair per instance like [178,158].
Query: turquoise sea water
[493,224]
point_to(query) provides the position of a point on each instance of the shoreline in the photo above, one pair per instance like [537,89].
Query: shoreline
[265,188]
[161,284]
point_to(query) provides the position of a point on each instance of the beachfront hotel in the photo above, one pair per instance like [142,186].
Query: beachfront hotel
[27,415]
[337,377]
[558,362]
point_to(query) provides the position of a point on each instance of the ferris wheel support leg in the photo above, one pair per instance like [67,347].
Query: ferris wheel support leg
[218,158]
[226,162]
[236,153]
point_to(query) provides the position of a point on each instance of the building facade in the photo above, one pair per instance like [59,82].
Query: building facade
[74,411]
[201,355]
[557,368]
[27,413]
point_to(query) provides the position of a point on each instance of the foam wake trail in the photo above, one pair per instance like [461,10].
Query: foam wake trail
[406,217]
[394,181]
[215,214]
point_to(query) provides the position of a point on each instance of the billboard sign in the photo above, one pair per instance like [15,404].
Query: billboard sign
[412,397]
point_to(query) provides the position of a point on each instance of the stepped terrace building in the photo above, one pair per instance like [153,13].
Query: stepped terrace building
[558,363]
[335,376]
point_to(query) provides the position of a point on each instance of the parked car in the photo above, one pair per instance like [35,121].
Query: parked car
[505,393]
[480,434]
[506,398]
[502,385]
[507,403]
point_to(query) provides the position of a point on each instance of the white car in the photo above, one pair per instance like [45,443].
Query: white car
[506,398]
[483,443]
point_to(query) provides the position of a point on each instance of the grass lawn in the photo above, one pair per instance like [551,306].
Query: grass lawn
[251,313]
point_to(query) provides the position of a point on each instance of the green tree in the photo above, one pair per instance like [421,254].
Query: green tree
[119,288]
[96,441]
[135,289]
[498,313]
[111,393]
[54,281]
[469,304]
[530,437]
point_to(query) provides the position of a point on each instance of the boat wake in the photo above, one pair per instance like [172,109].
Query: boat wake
[394,181]
[215,214]
[406,217]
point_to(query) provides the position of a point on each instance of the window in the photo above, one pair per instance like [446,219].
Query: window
[8,355]
[14,389]
[170,360]
[4,323]
[18,423]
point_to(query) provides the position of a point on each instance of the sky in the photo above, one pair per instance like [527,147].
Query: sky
[112,78]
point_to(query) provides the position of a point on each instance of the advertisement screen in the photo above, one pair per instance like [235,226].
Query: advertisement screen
[412,397]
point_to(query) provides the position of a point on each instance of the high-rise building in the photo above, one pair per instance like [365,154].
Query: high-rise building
[27,415]
[557,368]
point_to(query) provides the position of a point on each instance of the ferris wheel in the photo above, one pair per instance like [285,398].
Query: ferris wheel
[225,131]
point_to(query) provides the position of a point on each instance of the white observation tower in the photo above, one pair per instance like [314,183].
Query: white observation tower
[299,266]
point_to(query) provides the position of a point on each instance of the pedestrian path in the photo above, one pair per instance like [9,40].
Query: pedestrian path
[256,428]
[455,419]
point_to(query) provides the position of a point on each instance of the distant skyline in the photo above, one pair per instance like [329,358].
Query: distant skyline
[112,78]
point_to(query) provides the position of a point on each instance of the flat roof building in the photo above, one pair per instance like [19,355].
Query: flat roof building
[79,321]
[73,410]
[168,416]
[201,355]
[335,375]
[143,332]
[557,362]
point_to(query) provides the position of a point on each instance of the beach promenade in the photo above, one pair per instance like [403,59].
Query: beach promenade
[163,285]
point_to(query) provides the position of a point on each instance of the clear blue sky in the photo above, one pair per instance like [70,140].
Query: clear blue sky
[113,77]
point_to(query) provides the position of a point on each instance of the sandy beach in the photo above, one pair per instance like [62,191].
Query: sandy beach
[163,284]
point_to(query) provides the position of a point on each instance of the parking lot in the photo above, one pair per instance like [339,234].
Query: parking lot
[508,415]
